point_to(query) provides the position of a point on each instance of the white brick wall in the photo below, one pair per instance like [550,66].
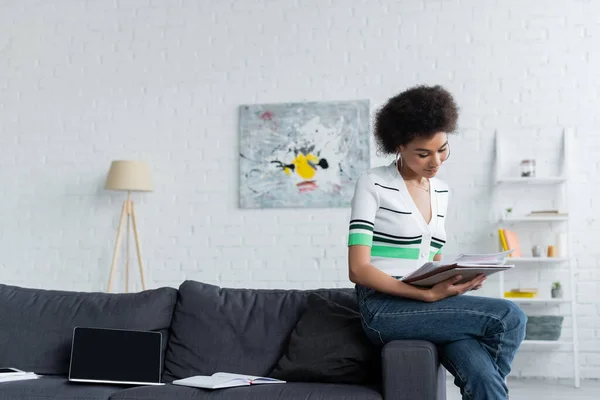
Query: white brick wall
[86,82]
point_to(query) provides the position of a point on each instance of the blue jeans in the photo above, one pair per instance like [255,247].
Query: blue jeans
[477,337]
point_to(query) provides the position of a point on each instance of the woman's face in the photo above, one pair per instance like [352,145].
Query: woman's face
[425,156]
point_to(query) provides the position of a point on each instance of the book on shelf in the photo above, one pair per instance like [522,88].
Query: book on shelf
[221,380]
[466,265]
[521,293]
[509,240]
[503,244]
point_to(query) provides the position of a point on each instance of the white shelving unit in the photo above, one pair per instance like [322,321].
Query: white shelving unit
[538,260]
[542,300]
[535,219]
[549,343]
[561,179]
[533,180]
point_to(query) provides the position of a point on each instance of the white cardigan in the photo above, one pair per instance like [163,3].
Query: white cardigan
[385,217]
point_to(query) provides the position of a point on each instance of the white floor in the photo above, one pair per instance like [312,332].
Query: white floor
[542,390]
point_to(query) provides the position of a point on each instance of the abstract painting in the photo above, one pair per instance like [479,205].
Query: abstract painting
[302,154]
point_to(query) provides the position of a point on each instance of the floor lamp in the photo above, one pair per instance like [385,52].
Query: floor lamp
[129,176]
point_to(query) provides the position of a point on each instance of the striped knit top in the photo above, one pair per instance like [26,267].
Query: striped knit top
[385,217]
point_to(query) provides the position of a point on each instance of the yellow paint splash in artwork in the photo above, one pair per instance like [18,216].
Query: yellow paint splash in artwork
[303,168]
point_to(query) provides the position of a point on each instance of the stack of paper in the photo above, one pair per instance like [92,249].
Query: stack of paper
[16,375]
[467,265]
[463,260]
[483,259]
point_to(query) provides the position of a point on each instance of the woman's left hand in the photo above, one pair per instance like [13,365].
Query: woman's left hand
[480,285]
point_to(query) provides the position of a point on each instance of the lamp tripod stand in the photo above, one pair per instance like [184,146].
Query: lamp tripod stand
[128,213]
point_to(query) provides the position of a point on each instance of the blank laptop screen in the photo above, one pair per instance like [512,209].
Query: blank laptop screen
[115,355]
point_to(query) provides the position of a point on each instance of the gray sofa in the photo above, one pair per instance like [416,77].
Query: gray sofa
[205,329]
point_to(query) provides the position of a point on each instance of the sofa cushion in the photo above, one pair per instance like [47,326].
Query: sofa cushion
[37,325]
[328,344]
[235,330]
[287,391]
[55,388]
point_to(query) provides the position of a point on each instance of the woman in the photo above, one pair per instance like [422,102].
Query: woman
[397,224]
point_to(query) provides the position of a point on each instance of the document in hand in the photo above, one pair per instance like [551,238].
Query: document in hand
[466,265]
[220,380]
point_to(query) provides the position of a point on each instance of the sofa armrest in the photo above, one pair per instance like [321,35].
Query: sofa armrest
[411,370]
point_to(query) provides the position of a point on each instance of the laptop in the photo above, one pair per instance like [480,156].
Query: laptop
[118,356]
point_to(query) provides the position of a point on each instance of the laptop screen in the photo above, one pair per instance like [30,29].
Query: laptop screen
[115,355]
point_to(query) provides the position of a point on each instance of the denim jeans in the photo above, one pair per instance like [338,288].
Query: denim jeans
[477,337]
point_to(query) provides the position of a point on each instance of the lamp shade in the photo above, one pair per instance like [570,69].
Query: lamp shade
[129,175]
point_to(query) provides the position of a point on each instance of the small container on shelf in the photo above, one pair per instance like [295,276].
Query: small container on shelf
[528,168]
[556,291]
[544,327]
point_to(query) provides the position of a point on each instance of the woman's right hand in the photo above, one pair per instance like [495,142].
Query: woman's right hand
[449,287]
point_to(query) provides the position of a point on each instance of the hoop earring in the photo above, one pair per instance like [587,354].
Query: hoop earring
[448,156]
[399,161]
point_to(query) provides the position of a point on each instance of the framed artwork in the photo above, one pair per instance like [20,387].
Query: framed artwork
[302,154]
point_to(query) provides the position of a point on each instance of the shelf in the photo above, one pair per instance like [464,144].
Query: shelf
[524,300]
[547,342]
[543,180]
[519,187]
[536,218]
[535,260]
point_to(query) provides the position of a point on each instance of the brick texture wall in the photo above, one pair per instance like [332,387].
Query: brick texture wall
[86,82]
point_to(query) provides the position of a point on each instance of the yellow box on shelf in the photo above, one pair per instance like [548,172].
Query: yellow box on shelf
[521,293]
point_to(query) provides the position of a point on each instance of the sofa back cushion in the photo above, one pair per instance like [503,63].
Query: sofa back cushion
[36,326]
[235,330]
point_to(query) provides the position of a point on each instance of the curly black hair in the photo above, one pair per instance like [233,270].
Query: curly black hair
[420,111]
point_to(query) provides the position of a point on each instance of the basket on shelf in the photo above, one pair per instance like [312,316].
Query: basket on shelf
[544,327]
